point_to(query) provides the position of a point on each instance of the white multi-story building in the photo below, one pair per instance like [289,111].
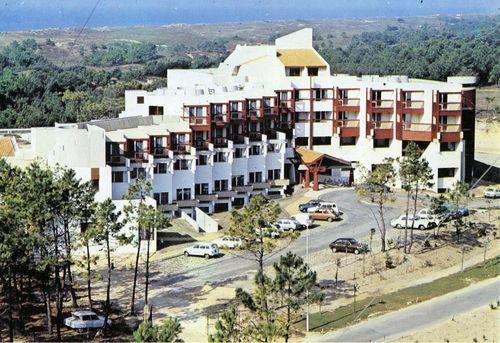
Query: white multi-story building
[214,137]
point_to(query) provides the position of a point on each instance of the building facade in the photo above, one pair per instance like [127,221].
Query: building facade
[214,137]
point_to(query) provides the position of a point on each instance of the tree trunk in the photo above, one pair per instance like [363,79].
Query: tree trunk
[382,229]
[8,290]
[67,241]
[406,221]
[413,219]
[108,289]
[57,280]
[89,289]
[48,310]
[147,269]
[136,269]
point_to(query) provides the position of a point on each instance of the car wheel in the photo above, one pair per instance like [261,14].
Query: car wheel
[398,226]
[356,251]
[186,253]
[421,227]
[207,256]
[330,220]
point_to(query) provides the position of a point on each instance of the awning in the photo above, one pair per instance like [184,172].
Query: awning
[311,157]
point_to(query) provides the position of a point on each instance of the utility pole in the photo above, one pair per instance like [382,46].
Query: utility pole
[307,293]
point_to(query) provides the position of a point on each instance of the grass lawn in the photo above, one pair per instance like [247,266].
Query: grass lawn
[345,315]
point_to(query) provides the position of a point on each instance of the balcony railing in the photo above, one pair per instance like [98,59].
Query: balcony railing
[140,155]
[450,128]
[181,148]
[382,129]
[349,127]
[450,106]
[201,144]
[413,105]
[198,120]
[219,118]
[382,103]
[160,152]
[348,102]
[238,139]
[220,142]
[450,132]
[270,111]
[116,159]
[349,123]
[417,126]
[255,136]
[285,125]
[416,131]
[237,115]
[382,124]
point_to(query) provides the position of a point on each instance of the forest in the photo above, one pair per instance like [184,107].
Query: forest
[37,92]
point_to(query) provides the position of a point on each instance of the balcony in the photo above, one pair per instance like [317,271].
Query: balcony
[270,111]
[260,185]
[188,203]
[348,105]
[226,194]
[181,148]
[220,142]
[416,132]
[243,189]
[285,105]
[237,139]
[254,114]
[219,119]
[199,121]
[383,106]
[237,115]
[116,160]
[285,125]
[280,182]
[139,156]
[450,108]
[160,152]
[450,132]
[255,136]
[200,144]
[382,129]
[413,107]
[206,197]
[349,127]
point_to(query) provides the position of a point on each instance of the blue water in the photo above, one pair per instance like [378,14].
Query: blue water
[37,14]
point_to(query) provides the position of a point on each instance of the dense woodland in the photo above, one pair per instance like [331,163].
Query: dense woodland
[36,92]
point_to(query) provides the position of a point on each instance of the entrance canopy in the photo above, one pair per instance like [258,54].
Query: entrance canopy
[316,162]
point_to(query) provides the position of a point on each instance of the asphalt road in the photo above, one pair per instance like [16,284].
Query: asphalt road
[419,316]
[358,219]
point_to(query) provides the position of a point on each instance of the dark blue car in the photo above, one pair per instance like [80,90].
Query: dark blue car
[453,212]
[311,203]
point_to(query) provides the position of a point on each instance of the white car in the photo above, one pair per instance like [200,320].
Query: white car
[287,224]
[304,219]
[228,242]
[420,222]
[82,320]
[204,249]
[325,204]
[492,193]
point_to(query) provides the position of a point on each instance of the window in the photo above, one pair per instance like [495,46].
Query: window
[183,193]
[407,96]
[136,172]
[293,71]
[271,147]
[321,116]
[202,160]
[217,109]
[195,111]
[381,143]
[254,150]
[161,198]
[312,71]
[446,172]
[140,100]
[220,157]
[347,140]
[155,110]
[221,185]
[451,146]
[239,153]
[325,140]
[320,94]
[160,168]
[274,174]
[201,189]
[255,177]
[301,141]
[117,176]
[237,180]
[181,165]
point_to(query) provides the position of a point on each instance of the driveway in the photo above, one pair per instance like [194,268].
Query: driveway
[419,316]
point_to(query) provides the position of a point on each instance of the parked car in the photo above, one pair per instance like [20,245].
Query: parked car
[311,203]
[273,231]
[419,223]
[289,224]
[492,193]
[228,242]
[83,320]
[455,212]
[324,205]
[348,245]
[324,214]
[206,250]
[305,219]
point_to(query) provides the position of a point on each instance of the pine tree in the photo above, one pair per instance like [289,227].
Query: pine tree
[226,328]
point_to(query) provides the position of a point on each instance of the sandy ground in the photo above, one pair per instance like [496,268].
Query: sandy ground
[487,137]
[482,325]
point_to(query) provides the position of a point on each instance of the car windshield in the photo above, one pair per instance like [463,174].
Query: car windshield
[353,241]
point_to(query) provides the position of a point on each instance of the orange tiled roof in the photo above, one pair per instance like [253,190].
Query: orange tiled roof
[300,58]
[310,157]
[6,147]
